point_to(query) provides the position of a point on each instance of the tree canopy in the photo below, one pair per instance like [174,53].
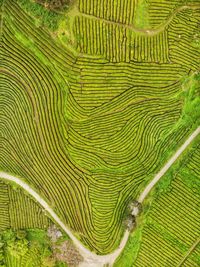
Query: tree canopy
[56,5]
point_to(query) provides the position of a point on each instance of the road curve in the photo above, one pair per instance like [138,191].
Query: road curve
[90,258]
[168,165]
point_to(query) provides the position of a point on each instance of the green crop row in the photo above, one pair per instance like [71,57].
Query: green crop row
[86,130]
[121,11]
[18,211]
[90,139]
[182,30]
[123,81]
[96,37]
[159,11]
[4,210]
[25,213]
[120,44]
[193,260]
[41,114]
[150,48]
[173,221]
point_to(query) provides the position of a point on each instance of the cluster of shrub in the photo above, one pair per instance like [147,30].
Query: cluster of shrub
[56,5]
[51,248]
[16,244]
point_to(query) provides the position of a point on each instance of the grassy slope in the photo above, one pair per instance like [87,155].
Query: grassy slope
[141,15]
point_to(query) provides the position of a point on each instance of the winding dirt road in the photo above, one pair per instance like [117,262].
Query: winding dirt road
[90,258]
[168,165]
[133,27]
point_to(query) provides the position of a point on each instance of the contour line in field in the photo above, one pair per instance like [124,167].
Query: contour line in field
[140,30]
[91,259]
[168,165]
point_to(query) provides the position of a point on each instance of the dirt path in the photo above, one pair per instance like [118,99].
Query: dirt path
[133,27]
[168,165]
[189,252]
[90,258]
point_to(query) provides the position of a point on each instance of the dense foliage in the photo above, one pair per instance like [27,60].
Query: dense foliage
[19,248]
[55,4]
[34,248]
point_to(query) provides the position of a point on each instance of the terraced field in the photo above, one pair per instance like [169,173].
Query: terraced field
[160,11]
[29,259]
[118,11]
[4,210]
[88,127]
[18,211]
[170,236]
[193,258]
